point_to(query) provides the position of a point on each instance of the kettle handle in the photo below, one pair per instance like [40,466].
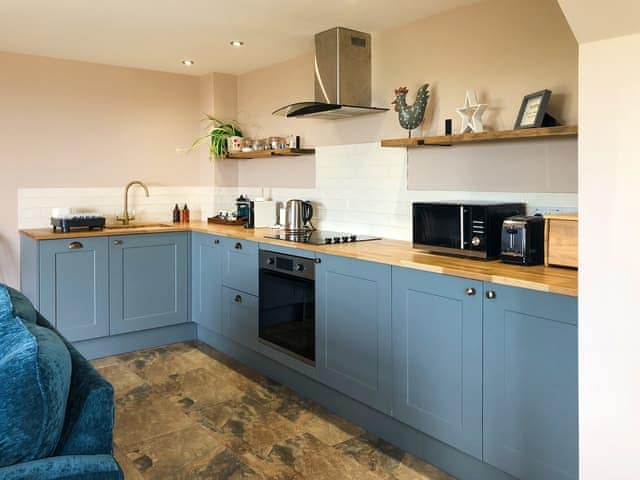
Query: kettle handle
[308,212]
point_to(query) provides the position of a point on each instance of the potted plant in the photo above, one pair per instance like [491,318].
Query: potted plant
[219,132]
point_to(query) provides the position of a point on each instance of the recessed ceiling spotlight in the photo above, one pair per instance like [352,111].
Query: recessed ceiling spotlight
[188,63]
[236,43]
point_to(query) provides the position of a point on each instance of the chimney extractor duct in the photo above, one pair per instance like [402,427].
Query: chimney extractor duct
[342,78]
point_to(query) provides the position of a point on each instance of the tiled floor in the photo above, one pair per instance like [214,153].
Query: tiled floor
[188,412]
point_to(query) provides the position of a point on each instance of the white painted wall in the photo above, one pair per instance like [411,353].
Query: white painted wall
[609,326]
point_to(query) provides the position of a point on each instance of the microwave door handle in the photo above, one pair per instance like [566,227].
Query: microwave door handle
[461,227]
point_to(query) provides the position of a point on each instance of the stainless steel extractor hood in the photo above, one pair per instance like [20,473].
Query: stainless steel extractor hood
[342,78]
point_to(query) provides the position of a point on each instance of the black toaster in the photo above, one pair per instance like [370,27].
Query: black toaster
[522,240]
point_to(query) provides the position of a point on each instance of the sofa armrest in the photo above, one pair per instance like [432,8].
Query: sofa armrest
[88,424]
[71,467]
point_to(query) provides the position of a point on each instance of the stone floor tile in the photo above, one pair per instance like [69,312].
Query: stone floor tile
[223,464]
[314,460]
[157,364]
[246,428]
[106,361]
[326,426]
[198,388]
[171,455]
[128,468]
[412,468]
[143,414]
[374,453]
[186,411]
[121,377]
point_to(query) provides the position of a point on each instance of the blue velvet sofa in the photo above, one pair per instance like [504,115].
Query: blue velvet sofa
[84,436]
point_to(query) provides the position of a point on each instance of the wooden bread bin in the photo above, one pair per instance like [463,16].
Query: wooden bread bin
[561,240]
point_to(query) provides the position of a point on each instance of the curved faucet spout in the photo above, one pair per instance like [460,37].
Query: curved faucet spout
[126,218]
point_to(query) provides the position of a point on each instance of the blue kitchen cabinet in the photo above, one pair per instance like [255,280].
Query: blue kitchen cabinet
[206,281]
[353,326]
[530,383]
[437,356]
[74,286]
[240,265]
[240,317]
[148,281]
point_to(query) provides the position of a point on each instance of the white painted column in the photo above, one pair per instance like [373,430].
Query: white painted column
[609,196]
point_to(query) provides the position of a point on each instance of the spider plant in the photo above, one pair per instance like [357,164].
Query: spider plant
[219,131]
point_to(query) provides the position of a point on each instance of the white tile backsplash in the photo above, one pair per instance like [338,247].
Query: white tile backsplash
[363,189]
[35,204]
[359,188]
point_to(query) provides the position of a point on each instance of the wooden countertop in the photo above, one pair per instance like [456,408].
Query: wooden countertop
[562,216]
[392,252]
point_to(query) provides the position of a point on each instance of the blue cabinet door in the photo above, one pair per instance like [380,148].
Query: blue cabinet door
[74,286]
[437,356]
[206,281]
[530,383]
[148,281]
[240,265]
[240,317]
[353,326]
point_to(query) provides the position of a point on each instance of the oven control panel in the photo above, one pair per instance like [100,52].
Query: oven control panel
[287,264]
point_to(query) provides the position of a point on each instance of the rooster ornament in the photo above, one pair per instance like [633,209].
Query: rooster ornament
[411,116]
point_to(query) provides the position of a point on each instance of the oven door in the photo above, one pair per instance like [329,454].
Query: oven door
[441,227]
[287,314]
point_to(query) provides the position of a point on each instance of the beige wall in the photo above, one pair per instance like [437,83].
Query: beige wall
[68,123]
[503,49]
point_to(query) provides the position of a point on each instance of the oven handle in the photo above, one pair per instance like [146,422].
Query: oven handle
[462,227]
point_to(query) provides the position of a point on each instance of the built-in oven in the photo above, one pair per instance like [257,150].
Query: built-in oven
[287,304]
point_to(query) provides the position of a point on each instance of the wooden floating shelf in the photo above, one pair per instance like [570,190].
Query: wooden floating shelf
[504,135]
[282,152]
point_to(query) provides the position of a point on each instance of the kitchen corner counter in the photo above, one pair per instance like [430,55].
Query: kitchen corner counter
[399,253]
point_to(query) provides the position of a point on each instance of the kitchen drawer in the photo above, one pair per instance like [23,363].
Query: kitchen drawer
[240,317]
[240,265]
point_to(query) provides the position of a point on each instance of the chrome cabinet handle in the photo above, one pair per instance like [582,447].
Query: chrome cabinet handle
[74,245]
[491,294]
[238,299]
[470,291]
[238,246]
[117,242]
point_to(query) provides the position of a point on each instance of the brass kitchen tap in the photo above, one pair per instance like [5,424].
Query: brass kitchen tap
[126,217]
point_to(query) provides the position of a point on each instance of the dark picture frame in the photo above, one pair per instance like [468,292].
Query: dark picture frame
[533,111]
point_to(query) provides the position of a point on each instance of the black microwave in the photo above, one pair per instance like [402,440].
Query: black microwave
[469,229]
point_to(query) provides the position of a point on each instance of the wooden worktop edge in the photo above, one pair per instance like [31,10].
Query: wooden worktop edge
[390,252]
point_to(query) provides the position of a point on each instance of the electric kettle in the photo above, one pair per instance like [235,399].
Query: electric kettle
[298,216]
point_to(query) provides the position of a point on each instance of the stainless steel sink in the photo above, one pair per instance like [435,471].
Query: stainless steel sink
[116,226]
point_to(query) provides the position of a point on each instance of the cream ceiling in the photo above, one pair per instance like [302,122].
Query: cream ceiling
[158,34]
[593,20]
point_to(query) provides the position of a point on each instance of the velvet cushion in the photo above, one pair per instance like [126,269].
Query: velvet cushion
[22,307]
[72,467]
[35,373]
